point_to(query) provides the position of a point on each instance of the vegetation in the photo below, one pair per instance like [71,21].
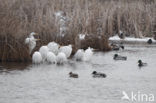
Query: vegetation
[18,18]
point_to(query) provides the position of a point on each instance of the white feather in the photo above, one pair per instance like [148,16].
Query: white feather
[51,57]
[37,58]
[44,50]
[79,55]
[67,50]
[61,58]
[31,43]
[88,54]
[53,47]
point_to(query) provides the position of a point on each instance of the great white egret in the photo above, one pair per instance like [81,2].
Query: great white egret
[53,47]
[37,58]
[61,58]
[51,57]
[31,41]
[67,50]
[79,55]
[88,54]
[44,50]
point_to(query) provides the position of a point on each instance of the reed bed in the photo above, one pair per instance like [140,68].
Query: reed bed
[96,18]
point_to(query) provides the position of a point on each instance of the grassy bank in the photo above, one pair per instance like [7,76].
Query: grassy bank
[18,18]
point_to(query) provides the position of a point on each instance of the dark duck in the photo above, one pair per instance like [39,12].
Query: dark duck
[119,57]
[73,75]
[149,41]
[98,75]
[141,64]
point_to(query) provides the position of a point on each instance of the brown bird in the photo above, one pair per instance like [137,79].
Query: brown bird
[73,75]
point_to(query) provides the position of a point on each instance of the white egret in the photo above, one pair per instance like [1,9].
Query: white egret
[53,47]
[88,54]
[51,57]
[61,58]
[67,50]
[79,55]
[44,50]
[31,41]
[37,58]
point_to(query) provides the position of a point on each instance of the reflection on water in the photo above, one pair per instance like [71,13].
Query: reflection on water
[7,67]
[26,83]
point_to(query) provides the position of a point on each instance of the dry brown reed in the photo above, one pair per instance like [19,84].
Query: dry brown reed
[18,18]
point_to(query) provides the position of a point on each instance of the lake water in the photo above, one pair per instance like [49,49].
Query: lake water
[26,83]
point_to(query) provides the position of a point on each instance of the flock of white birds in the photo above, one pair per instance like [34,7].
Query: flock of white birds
[53,53]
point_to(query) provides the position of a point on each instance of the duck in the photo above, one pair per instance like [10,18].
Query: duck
[119,57]
[88,54]
[36,58]
[53,47]
[117,47]
[73,75]
[67,50]
[79,55]
[114,47]
[51,58]
[121,35]
[141,64]
[149,41]
[98,74]
[44,51]
[31,41]
[61,58]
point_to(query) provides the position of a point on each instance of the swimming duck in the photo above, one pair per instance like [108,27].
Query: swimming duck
[119,57]
[73,75]
[99,75]
[149,41]
[117,47]
[114,47]
[141,63]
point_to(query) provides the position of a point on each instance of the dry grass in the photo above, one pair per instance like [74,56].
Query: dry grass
[95,17]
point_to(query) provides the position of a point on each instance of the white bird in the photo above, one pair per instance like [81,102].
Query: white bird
[44,50]
[37,58]
[51,57]
[53,47]
[61,58]
[88,54]
[67,50]
[31,41]
[79,55]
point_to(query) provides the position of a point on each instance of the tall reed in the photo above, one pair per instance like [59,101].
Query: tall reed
[18,18]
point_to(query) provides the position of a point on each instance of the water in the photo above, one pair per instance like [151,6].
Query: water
[25,83]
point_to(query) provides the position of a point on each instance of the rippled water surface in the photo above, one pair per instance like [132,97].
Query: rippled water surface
[26,83]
